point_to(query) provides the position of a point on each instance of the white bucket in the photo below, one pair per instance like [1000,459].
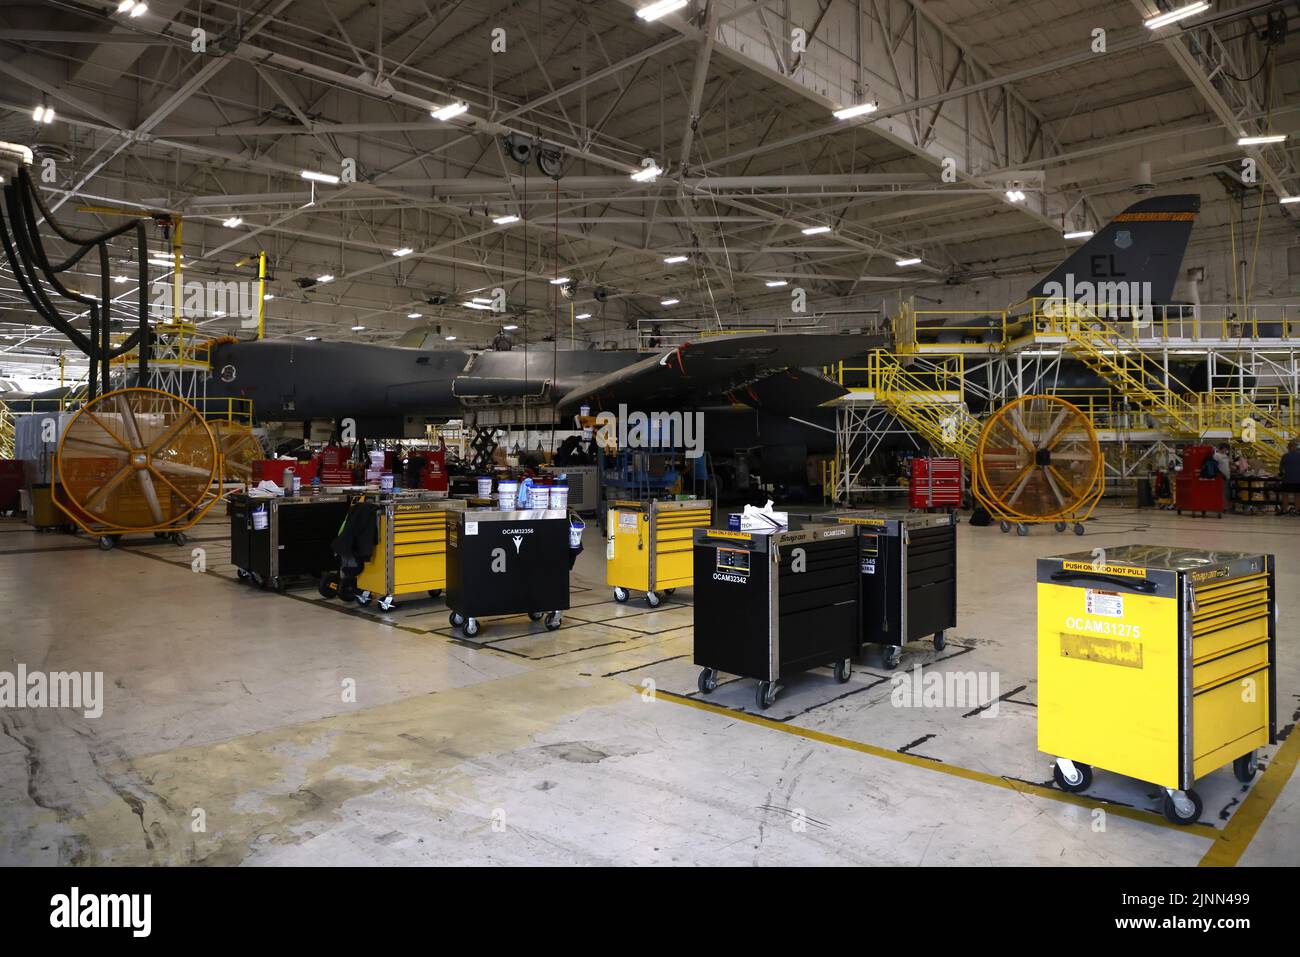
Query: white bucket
[386,482]
[538,496]
[576,525]
[485,486]
[559,497]
[507,492]
[261,518]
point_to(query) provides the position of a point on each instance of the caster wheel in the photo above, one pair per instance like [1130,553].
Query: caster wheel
[707,681]
[1245,767]
[765,694]
[257,579]
[363,598]
[106,543]
[347,592]
[329,585]
[620,595]
[456,619]
[1061,526]
[179,538]
[1078,528]
[242,574]
[160,536]
[277,585]
[1186,811]
[435,592]
[553,621]
[471,627]
[670,592]
[535,616]
[652,599]
[386,603]
[843,669]
[890,655]
[1022,530]
[1081,781]
[1005,526]
[940,642]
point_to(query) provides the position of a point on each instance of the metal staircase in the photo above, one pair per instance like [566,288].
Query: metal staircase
[924,398]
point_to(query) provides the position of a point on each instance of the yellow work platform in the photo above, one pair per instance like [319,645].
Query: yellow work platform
[650,546]
[410,553]
[1156,663]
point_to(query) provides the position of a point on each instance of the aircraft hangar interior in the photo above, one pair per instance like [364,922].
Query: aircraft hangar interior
[650,432]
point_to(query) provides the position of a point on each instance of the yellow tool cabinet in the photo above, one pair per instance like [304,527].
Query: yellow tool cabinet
[1156,663]
[649,546]
[410,553]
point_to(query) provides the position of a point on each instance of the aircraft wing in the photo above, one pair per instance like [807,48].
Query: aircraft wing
[722,367]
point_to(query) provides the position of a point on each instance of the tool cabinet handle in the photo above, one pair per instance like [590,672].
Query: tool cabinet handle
[1146,585]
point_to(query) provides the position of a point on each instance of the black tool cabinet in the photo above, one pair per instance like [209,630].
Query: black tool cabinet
[771,604]
[295,542]
[909,578]
[507,563]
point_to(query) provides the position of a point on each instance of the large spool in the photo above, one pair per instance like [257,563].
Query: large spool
[136,460]
[1038,460]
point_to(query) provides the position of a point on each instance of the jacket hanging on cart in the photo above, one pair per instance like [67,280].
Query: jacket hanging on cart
[356,539]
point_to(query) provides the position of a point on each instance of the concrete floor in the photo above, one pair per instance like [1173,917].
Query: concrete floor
[226,739]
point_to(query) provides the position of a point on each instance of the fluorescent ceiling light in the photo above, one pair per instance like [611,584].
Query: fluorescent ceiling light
[451,338]
[404,251]
[218,314]
[669,302]
[445,113]
[414,315]
[1261,140]
[312,338]
[647,174]
[559,280]
[1079,234]
[43,114]
[775,284]
[125,6]
[232,222]
[1015,195]
[814,230]
[505,220]
[318,177]
[661,8]
[862,109]
[470,304]
[121,279]
[357,328]
[268,297]
[139,9]
[510,328]
[1173,16]
[670,260]
[483,300]
[583,315]
[325,278]
[913,261]
[1285,200]
[165,263]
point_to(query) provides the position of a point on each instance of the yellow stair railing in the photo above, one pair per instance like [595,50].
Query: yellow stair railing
[6,432]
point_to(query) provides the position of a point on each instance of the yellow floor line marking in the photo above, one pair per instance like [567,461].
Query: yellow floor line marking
[1008,784]
[1232,841]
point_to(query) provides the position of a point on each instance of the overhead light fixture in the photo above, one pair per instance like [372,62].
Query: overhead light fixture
[814,230]
[471,304]
[1015,195]
[647,174]
[1287,200]
[325,278]
[312,338]
[125,6]
[139,9]
[660,9]
[232,222]
[913,261]
[510,328]
[1261,140]
[165,263]
[1079,234]
[505,220]
[318,177]
[125,279]
[776,283]
[414,315]
[404,251]
[358,328]
[1173,16]
[673,260]
[43,114]
[848,112]
[451,338]
[449,111]
[218,314]
[669,302]
[559,280]
[583,315]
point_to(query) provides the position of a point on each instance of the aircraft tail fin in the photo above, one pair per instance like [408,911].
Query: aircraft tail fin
[1143,244]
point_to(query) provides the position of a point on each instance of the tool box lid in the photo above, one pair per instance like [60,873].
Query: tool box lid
[1169,558]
